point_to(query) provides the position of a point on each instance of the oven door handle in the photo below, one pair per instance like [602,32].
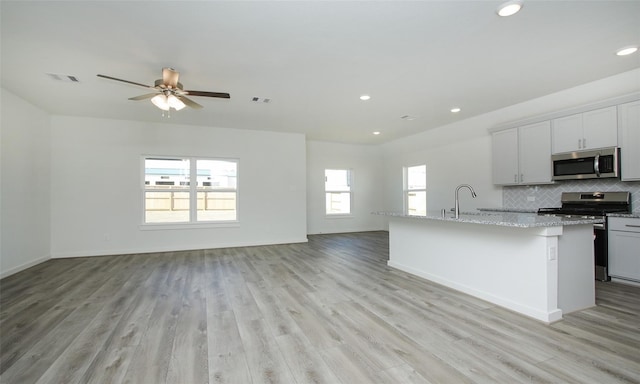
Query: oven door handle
[596,165]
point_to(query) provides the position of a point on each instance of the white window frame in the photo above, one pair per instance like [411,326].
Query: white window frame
[193,196]
[406,190]
[350,191]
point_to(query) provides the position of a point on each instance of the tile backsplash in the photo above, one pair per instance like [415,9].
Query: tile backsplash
[519,197]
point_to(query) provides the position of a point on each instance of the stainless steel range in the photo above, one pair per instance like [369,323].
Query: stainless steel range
[594,205]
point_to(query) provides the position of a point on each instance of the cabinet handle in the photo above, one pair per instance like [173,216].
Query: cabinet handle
[584,143]
[515,178]
[521,177]
[579,143]
[632,226]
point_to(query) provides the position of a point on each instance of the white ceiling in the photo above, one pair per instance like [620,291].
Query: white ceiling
[313,59]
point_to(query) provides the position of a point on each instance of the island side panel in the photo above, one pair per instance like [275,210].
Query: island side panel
[576,269]
[507,266]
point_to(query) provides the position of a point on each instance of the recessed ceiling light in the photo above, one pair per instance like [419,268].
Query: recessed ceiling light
[509,8]
[626,51]
[376,133]
[365,97]
[455,110]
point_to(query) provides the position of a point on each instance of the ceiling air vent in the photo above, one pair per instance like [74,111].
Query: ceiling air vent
[65,78]
[260,100]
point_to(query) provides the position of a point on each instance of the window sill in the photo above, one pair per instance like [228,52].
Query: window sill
[347,216]
[174,226]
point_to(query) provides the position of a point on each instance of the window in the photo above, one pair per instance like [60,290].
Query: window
[337,187]
[415,190]
[170,196]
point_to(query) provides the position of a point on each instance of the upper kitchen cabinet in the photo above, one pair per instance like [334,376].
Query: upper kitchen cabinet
[588,130]
[522,155]
[629,126]
[505,157]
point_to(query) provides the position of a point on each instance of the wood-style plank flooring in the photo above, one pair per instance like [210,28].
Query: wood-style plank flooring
[327,311]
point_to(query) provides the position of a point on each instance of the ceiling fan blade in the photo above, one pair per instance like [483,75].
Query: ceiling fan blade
[221,95]
[143,97]
[189,102]
[170,77]
[125,81]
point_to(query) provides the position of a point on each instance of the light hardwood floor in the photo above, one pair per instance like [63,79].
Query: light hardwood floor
[328,311]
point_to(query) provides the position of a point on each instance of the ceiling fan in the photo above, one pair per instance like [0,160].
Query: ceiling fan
[168,92]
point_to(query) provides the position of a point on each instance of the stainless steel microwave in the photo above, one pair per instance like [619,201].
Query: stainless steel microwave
[593,164]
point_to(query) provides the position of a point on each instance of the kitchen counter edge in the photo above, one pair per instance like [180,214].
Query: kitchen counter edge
[625,215]
[508,219]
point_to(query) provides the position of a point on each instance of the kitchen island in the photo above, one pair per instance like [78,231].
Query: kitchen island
[539,266]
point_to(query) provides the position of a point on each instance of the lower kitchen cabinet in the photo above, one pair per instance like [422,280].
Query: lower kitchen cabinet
[624,248]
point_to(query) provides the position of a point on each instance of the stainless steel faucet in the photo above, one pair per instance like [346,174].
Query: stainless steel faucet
[457,207]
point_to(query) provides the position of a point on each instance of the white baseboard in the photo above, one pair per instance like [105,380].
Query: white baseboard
[109,252]
[350,231]
[624,281]
[22,267]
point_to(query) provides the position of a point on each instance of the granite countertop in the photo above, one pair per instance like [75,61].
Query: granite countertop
[504,219]
[633,215]
[627,215]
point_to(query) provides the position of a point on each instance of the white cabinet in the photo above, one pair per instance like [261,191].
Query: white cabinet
[624,248]
[522,155]
[588,130]
[534,144]
[505,157]
[567,133]
[629,129]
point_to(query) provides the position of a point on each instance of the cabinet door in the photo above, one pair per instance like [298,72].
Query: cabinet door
[567,133]
[505,157]
[535,153]
[624,259]
[600,128]
[629,119]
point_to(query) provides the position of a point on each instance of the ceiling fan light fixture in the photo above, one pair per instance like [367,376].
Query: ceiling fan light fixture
[166,102]
[161,102]
[175,103]
[509,8]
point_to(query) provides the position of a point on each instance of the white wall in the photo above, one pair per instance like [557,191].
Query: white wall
[365,163]
[96,185]
[461,152]
[88,201]
[24,185]
[452,164]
